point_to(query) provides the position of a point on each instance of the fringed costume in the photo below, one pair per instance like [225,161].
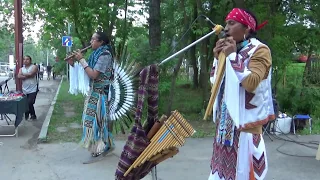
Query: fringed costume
[96,134]
[79,80]
[243,105]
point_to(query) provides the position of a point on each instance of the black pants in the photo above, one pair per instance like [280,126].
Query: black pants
[31,100]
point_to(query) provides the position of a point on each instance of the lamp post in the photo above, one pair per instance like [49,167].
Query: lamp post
[18,40]
[68,50]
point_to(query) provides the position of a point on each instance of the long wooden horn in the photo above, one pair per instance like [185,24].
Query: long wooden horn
[215,88]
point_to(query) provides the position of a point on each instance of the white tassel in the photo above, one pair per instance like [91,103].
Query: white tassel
[79,80]
[73,79]
[100,146]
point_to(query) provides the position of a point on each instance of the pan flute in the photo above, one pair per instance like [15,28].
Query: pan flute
[166,141]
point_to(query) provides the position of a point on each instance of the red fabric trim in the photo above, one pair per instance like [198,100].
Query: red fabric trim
[258,123]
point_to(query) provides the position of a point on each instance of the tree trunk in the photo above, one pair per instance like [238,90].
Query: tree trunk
[239,3]
[173,83]
[193,58]
[109,29]
[204,75]
[307,69]
[154,25]
[178,65]
[124,37]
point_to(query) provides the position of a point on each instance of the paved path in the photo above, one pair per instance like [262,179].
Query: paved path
[23,159]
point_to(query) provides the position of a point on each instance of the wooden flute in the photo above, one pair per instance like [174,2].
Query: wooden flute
[72,55]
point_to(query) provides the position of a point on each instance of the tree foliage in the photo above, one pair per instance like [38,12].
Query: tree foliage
[292,29]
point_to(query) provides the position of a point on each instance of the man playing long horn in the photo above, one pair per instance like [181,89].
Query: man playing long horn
[243,103]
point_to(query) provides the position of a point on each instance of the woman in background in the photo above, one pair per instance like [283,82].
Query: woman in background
[28,75]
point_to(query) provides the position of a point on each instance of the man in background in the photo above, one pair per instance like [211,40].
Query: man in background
[49,69]
[54,72]
[41,68]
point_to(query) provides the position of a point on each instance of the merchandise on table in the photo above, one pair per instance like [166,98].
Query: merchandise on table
[11,96]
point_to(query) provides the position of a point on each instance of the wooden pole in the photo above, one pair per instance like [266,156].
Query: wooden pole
[18,40]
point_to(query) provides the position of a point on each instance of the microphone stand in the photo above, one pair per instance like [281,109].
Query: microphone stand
[217,30]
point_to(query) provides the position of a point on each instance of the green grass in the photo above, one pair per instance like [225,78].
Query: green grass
[66,103]
[316,126]
[186,100]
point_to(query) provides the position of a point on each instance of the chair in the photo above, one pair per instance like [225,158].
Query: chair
[5,83]
[5,90]
[300,117]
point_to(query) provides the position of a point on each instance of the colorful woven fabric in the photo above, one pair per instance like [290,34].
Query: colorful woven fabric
[224,159]
[137,140]
[226,144]
[94,56]
[225,133]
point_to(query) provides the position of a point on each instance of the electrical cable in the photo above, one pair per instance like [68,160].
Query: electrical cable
[155,171]
[289,139]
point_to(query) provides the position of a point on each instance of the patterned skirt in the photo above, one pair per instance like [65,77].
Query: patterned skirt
[96,122]
[225,159]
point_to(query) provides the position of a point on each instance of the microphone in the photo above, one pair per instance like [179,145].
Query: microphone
[222,33]
[207,19]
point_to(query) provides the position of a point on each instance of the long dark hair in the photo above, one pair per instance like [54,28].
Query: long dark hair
[103,37]
[29,57]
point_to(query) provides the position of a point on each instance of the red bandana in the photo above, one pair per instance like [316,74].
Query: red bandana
[245,18]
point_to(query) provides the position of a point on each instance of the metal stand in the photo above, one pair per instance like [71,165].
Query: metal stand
[154,173]
[5,83]
[5,87]
[6,117]
[265,129]
[217,30]
[12,135]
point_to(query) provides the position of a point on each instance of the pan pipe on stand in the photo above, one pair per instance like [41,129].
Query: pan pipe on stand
[166,141]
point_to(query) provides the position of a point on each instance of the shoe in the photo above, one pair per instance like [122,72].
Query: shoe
[33,117]
[106,152]
[26,117]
